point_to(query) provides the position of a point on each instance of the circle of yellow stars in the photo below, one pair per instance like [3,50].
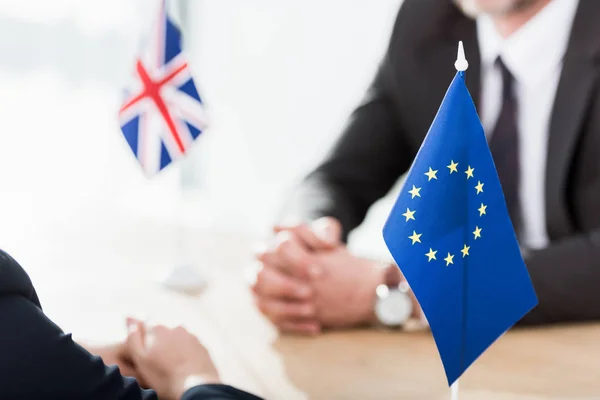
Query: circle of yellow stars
[416,192]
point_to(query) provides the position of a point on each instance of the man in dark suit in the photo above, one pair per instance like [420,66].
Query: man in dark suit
[39,361]
[533,76]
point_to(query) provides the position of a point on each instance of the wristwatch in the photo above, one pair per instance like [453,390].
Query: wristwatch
[393,304]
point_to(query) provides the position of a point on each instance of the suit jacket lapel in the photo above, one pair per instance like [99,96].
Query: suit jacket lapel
[572,98]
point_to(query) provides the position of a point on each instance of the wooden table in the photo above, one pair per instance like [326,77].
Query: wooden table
[92,276]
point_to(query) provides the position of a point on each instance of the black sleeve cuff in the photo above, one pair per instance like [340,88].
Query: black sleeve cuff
[217,392]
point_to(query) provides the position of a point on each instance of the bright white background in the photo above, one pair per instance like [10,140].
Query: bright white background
[279,78]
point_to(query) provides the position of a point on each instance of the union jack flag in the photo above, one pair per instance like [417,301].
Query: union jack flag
[162,113]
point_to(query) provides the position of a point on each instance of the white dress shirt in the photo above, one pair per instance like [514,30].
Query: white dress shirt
[534,55]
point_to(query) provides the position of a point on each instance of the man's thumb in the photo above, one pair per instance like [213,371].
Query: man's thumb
[328,229]
[136,338]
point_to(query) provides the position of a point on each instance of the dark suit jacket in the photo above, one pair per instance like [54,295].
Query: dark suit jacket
[385,132]
[38,361]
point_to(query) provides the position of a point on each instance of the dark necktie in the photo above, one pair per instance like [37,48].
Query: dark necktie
[504,145]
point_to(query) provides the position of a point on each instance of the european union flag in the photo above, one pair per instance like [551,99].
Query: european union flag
[450,234]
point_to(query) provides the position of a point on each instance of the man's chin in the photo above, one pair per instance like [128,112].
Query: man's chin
[473,8]
[469,7]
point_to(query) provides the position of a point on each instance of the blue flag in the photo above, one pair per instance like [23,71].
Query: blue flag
[450,234]
[162,113]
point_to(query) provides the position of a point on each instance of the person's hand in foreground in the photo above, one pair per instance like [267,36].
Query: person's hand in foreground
[169,360]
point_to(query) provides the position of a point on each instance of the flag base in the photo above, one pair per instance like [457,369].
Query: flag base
[184,279]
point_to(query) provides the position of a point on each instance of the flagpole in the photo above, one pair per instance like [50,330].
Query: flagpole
[461,65]
[183,276]
[454,390]
[185,166]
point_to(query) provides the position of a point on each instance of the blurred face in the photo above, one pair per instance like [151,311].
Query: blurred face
[494,7]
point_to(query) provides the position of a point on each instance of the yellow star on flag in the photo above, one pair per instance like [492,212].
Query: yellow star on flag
[469,172]
[479,187]
[449,260]
[415,237]
[415,192]
[431,254]
[482,209]
[465,251]
[431,174]
[477,232]
[453,166]
[409,214]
